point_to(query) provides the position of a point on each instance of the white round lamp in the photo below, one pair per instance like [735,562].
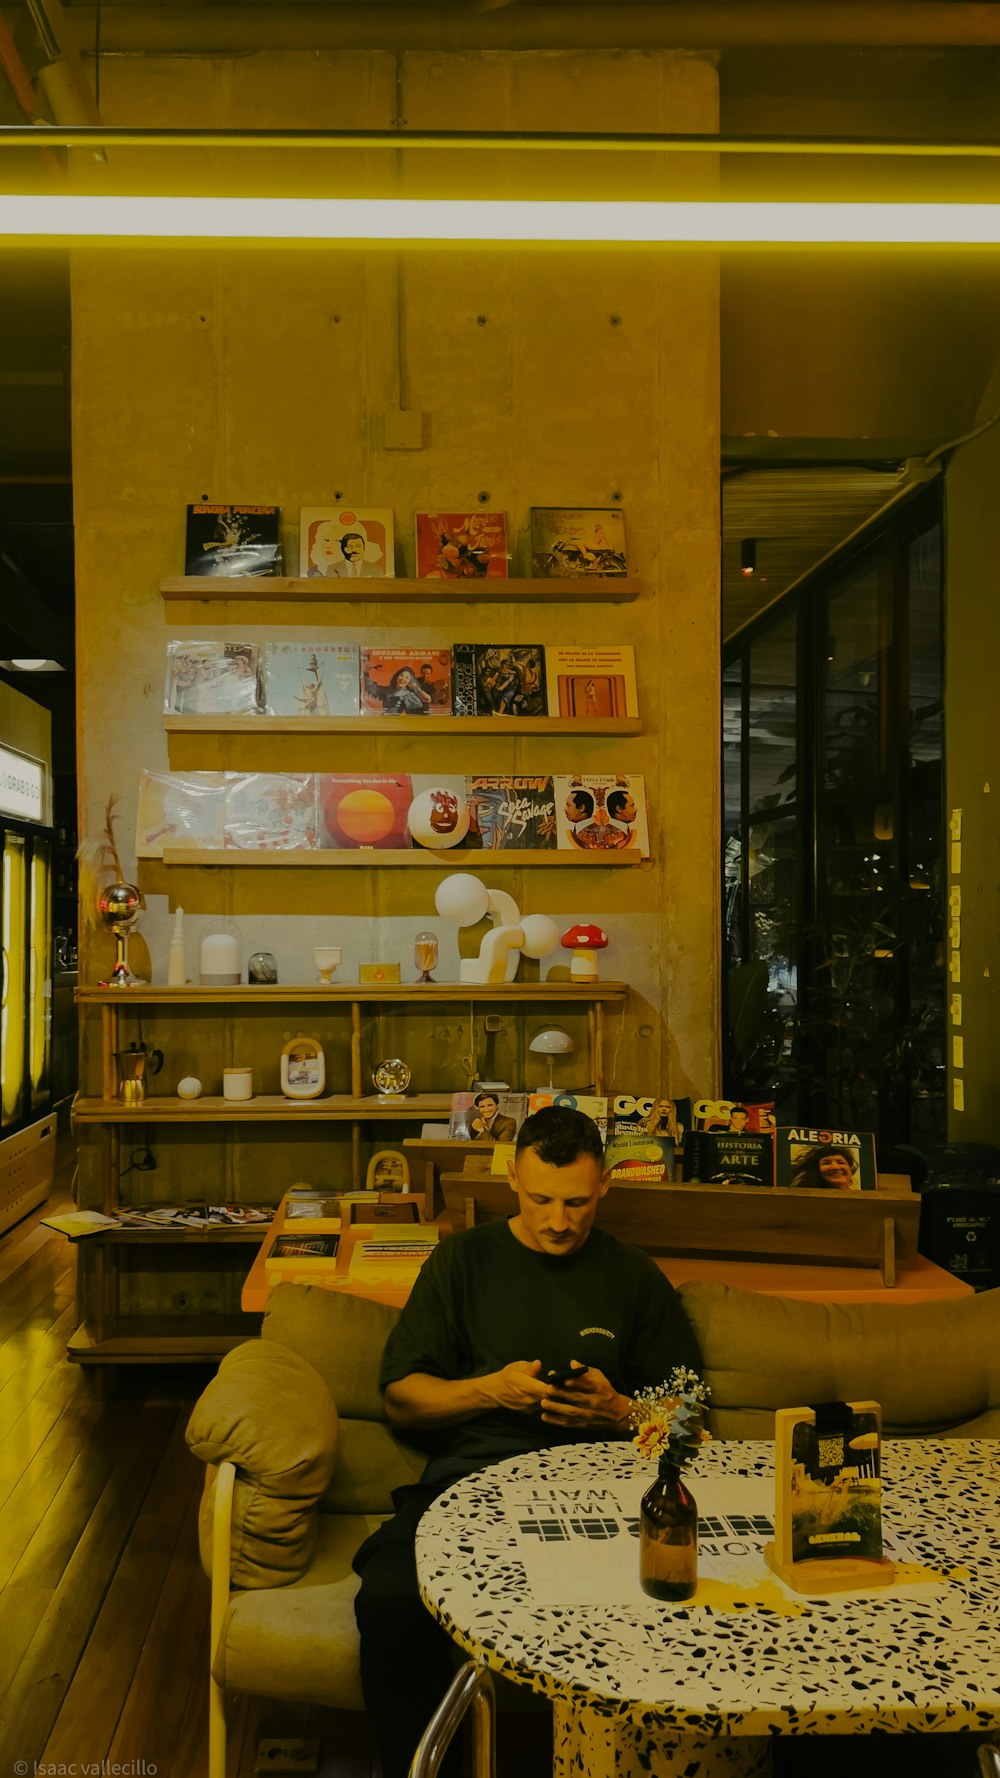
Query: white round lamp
[552,1042]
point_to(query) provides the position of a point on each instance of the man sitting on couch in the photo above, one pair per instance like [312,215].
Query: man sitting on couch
[496,1312]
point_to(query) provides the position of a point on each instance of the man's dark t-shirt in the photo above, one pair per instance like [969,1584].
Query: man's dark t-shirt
[484,1300]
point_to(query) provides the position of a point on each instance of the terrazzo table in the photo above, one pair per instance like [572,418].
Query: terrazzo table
[700,1689]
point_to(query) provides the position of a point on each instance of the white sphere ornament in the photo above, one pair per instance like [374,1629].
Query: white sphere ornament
[541,935]
[189,1087]
[462,899]
[438,818]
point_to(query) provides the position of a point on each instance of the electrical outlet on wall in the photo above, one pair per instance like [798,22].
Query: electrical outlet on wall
[404,429]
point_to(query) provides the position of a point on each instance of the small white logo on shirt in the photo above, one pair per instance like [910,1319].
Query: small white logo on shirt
[606,1331]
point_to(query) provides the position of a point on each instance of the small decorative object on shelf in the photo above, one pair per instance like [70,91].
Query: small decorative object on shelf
[176,966]
[220,957]
[669,1422]
[262,968]
[373,973]
[303,1068]
[388,1171]
[133,1065]
[392,1077]
[465,900]
[120,906]
[237,1083]
[425,955]
[327,958]
[552,1042]
[584,942]
[189,1087]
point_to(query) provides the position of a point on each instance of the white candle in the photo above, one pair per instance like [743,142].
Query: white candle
[220,955]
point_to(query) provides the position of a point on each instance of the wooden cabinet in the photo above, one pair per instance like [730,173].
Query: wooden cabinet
[200,1030]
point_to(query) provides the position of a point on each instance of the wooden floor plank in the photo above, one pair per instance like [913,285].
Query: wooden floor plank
[149,1725]
[23,1609]
[27,1430]
[34,1697]
[96,1696]
[191,1752]
[31,1290]
[86,1436]
[26,1361]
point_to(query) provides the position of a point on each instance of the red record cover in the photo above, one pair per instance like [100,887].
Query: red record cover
[364,810]
[461,546]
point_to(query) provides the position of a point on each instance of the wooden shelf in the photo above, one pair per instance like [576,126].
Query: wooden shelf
[454,727]
[149,1340]
[338,595]
[419,858]
[167,1237]
[419,993]
[263,1108]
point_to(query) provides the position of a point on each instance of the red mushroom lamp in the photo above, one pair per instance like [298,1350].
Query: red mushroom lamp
[584,942]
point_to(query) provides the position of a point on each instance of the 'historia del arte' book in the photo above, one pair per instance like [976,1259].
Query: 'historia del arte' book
[567,542]
[236,541]
[723,1157]
[827,1160]
[591,682]
[461,545]
[497,679]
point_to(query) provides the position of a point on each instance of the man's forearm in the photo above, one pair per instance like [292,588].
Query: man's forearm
[423,1400]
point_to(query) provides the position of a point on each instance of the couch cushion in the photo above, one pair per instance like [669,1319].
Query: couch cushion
[301,1641]
[269,1413]
[935,1367]
[343,1337]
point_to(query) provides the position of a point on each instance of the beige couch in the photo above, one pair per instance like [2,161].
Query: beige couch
[302,1462]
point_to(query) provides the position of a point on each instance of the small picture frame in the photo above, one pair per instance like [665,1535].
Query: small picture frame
[388,1171]
[828,1498]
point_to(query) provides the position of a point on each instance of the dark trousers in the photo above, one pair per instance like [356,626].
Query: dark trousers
[407,1660]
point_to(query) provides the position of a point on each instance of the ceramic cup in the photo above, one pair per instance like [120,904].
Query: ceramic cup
[327,960]
[237,1083]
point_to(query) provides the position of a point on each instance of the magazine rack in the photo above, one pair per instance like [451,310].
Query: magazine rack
[865,1229]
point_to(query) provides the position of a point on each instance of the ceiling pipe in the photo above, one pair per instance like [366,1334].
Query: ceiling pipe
[715,24]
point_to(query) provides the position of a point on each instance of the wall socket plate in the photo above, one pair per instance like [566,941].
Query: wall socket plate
[287,1753]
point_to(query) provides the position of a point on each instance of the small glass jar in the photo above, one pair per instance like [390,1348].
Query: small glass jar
[668,1537]
[425,954]
[262,968]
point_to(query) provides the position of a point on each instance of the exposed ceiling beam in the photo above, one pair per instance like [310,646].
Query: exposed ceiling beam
[716,24]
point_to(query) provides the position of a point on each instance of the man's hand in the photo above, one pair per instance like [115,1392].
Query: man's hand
[517,1387]
[588,1399]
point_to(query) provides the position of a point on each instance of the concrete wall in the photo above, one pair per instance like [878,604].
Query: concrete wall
[543,379]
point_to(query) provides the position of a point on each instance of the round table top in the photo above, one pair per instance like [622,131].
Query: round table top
[840,1665]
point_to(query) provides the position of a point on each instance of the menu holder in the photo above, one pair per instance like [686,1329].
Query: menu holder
[828,1499]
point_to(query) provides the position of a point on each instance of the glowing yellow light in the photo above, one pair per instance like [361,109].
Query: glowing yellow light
[33,220]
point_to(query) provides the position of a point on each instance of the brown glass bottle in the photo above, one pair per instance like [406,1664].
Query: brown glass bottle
[668,1537]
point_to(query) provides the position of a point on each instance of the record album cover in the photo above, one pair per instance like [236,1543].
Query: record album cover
[567,542]
[601,812]
[364,810]
[212,678]
[461,545]
[271,811]
[498,679]
[406,682]
[346,543]
[591,682]
[236,541]
[311,679]
[511,812]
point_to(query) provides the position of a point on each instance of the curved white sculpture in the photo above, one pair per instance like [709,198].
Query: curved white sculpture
[464,900]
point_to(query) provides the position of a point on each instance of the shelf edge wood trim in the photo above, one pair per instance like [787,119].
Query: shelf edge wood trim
[452,726]
[236,858]
[290,589]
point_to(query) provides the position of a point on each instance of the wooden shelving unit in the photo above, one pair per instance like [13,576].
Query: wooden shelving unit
[109,1337]
[340,596]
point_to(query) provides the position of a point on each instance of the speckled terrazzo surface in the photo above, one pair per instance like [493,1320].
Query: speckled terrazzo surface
[842,1665]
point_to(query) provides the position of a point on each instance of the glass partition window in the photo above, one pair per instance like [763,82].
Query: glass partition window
[834,843]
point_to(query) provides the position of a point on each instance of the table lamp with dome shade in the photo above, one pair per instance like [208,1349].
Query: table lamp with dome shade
[552,1042]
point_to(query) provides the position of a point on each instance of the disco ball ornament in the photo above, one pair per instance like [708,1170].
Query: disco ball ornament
[120,905]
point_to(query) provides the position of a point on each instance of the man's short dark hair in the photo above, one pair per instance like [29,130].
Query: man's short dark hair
[559,1135]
